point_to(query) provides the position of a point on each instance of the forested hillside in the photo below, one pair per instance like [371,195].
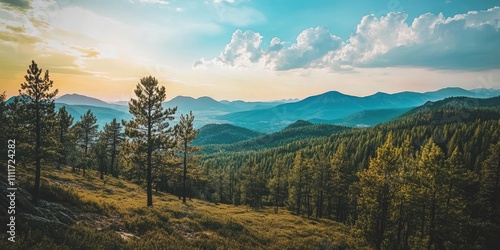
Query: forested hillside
[425,179]
[223,134]
[295,131]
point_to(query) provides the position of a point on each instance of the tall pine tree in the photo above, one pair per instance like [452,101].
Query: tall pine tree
[87,135]
[186,133]
[114,138]
[64,122]
[378,187]
[36,96]
[149,128]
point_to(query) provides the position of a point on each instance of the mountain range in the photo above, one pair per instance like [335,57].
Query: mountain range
[331,107]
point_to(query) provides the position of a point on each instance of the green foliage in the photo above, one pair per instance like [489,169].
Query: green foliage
[299,131]
[253,185]
[223,134]
[185,134]
[86,134]
[38,104]
[65,142]
[149,129]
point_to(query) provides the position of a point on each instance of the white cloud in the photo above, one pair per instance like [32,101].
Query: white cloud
[311,45]
[464,41]
[245,50]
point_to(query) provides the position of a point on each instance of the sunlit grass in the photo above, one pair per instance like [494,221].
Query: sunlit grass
[121,207]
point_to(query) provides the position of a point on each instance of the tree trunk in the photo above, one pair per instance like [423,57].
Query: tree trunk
[36,191]
[149,164]
[184,174]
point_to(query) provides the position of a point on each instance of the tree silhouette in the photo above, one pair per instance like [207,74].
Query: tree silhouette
[36,96]
[149,128]
[186,133]
[64,122]
[87,133]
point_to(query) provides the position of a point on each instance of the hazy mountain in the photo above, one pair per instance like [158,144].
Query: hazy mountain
[76,99]
[223,134]
[242,105]
[104,115]
[186,103]
[484,91]
[457,102]
[365,118]
[333,105]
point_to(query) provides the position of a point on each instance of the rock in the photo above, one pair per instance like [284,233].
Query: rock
[56,207]
[23,198]
[64,218]
[47,214]
[127,236]
[43,224]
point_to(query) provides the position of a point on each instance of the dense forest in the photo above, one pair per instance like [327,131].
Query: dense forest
[429,179]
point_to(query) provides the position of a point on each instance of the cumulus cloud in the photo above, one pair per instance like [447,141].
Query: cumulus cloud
[464,41]
[311,45]
[245,50]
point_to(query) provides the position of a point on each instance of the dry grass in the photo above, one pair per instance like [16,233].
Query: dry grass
[120,206]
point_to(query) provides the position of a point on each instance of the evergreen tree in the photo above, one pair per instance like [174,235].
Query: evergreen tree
[86,136]
[36,96]
[299,185]
[341,177]
[186,133]
[490,194]
[322,182]
[3,117]
[253,185]
[149,128]
[278,183]
[378,187]
[99,151]
[114,138]
[64,122]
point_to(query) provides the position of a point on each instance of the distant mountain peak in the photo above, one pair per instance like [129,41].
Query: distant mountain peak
[298,124]
[77,99]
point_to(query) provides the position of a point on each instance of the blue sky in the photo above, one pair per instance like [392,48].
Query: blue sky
[251,49]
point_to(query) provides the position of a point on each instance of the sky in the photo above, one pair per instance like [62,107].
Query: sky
[254,50]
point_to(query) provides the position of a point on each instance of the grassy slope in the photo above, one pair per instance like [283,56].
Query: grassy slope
[109,213]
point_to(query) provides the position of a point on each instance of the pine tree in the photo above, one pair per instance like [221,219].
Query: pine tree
[341,176]
[253,185]
[3,117]
[186,133]
[86,134]
[64,122]
[99,151]
[114,138]
[299,185]
[36,96]
[378,188]
[149,128]
[278,183]
[322,182]
[490,194]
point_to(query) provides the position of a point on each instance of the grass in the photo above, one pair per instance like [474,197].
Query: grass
[113,215]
